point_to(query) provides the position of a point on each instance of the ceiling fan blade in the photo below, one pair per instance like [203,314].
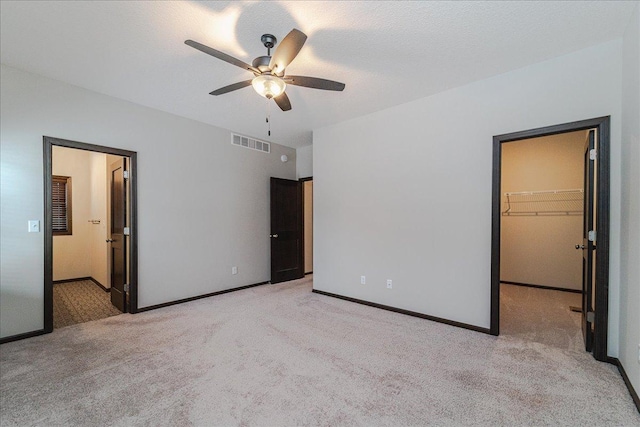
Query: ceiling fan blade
[287,50]
[314,82]
[231,88]
[221,55]
[283,102]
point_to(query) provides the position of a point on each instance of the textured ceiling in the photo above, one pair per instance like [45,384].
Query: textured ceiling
[387,53]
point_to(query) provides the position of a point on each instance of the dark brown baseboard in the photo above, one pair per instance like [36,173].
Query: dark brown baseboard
[551,288]
[22,336]
[180,301]
[100,285]
[77,279]
[634,395]
[407,312]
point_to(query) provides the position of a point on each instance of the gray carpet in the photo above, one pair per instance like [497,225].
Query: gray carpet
[541,315]
[279,355]
[80,301]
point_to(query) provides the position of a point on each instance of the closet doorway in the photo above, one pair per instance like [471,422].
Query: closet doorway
[542,220]
[550,206]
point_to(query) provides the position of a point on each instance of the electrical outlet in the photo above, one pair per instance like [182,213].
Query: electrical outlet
[389,284]
[363,280]
[234,270]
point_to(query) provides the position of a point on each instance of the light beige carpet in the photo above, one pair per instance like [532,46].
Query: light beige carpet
[80,301]
[541,315]
[279,355]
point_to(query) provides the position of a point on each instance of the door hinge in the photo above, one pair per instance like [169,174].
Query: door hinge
[125,174]
[591,316]
[126,287]
[592,235]
[593,154]
[127,231]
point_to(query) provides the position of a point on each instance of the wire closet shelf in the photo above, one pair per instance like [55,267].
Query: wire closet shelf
[549,202]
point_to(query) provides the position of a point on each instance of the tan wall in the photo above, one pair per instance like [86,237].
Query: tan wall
[99,213]
[540,249]
[308,226]
[83,253]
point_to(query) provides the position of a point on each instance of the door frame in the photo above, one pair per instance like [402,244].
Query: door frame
[602,124]
[118,293]
[48,144]
[304,254]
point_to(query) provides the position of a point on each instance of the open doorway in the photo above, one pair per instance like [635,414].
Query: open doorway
[291,229]
[90,238]
[80,210]
[547,203]
[541,225]
[307,203]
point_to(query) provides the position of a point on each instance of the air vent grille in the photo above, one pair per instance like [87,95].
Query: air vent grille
[254,144]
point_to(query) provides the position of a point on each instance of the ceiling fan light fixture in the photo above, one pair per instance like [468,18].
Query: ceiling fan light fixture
[268,85]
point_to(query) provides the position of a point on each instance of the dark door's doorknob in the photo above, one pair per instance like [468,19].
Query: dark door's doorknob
[275,236]
[579,246]
[109,240]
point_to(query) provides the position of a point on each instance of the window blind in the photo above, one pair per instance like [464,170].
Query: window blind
[60,205]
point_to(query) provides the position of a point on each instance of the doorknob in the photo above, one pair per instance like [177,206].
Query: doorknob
[109,240]
[275,236]
[579,246]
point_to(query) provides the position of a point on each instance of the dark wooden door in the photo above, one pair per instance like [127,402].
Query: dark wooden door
[118,250]
[587,244]
[287,255]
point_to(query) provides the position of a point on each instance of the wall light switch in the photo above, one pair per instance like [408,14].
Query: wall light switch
[234,270]
[34,226]
[389,284]
[363,280]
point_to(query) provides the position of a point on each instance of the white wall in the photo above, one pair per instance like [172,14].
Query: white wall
[304,161]
[540,249]
[630,224]
[405,193]
[203,203]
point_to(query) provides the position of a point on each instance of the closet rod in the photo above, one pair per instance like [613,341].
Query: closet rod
[531,193]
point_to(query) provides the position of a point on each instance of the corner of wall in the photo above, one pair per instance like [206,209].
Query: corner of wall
[629,335]
[304,161]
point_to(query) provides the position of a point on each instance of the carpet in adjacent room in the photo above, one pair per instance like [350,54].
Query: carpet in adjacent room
[80,301]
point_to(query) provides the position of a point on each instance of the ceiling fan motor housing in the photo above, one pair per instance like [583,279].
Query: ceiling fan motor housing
[262,63]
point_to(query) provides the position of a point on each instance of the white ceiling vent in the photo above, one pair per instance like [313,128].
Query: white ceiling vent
[254,144]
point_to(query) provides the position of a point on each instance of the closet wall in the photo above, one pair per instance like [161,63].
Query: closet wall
[540,231]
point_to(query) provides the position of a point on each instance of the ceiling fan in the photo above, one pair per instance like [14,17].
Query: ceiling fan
[269,79]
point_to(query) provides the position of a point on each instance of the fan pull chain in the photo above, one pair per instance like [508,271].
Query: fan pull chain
[268,117]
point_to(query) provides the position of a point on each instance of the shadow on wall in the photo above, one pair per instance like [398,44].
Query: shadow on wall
[17,310]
